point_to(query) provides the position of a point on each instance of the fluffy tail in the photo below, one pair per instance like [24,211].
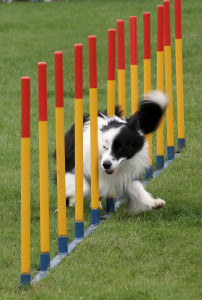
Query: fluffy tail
[151,110]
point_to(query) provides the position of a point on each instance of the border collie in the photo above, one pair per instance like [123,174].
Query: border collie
[122,154]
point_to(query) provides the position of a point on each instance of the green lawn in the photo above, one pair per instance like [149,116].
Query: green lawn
[151,256]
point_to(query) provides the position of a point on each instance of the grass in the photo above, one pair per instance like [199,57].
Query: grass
[150,256]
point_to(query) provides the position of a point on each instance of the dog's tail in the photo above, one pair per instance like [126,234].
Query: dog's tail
[151,109]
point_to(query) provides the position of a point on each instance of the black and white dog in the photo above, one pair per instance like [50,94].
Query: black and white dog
[122,154]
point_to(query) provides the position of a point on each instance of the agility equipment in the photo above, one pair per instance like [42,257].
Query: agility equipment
[121,66]
[133,64]
[95,211]
[179,75]
[43,167]
[60,152]
[25,181]
[147,82]
[163,55]
[78,71]
[160,84]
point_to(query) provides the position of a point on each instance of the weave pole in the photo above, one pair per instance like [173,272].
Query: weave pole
[78,85]
[168,81]
[95,211]
[43,167]
[133,64]
[111,72]
[147,81]
[179,75]
[25,181]
[160,84]
[60,153]
[121,66]
[110,201]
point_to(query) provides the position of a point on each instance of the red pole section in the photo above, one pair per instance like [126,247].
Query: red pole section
[25,107]
[120,43]
[146,35]
[42,91]
[133,40]
[59,98]
[78,71]
[92,61]
[160,28]
[111,53]
[178,24]
[167,40]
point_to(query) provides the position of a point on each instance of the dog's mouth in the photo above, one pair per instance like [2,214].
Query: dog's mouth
[109,172]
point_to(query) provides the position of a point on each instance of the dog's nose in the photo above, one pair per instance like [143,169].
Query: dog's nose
[106,164]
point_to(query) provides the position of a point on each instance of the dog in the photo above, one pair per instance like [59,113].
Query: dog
[122,154]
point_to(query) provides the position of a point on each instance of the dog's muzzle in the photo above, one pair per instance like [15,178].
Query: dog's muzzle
[107,165]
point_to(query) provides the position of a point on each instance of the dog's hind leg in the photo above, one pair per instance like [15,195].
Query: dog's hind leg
[140,200]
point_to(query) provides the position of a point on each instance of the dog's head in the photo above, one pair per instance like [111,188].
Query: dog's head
[118,142]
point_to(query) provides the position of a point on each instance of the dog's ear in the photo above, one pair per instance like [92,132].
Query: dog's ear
[151,110]
[133,123]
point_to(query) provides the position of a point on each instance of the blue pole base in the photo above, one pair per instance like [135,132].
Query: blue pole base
[149,173]
[159,162]
[171,152]
[62,244]
[181,144]
[110,205]
[79,230]
[44,261]
[95,216]
[25,279]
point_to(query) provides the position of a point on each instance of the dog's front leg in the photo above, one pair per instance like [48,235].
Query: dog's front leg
[140,200]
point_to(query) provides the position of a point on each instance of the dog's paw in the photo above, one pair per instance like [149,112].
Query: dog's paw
[158,204]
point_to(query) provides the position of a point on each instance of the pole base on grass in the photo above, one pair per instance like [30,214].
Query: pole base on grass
[149,173]
[181,145]
[159,162]
[95,217]
[62,244]
[44,261]
[79,230]
[171,152]
[110,205]
[25,279]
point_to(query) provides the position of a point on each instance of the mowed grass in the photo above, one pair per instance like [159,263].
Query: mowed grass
[151,256]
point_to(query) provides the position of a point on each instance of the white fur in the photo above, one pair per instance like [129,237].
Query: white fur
[122,181]
[158,98]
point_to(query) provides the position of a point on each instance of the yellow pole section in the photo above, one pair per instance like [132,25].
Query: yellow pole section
[179,81]
[122,91]
[168,83]
[25,205]
[147,89]
[94,149]
[44,194]
[111,97]
[160,87]
[79,160]
[134,88]
[60,157]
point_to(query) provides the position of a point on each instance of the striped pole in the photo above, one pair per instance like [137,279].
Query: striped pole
[25,181]
[111,72]
[133,64]
[168,81]
[60,153]
[110,202]
[179,75]
[95,211]
[121,66]
[78,86]
[43,167]
[160,84]
[147,81]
